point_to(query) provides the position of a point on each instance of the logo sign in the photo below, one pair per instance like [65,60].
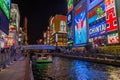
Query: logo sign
[99,28]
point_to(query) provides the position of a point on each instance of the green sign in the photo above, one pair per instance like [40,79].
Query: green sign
[4,8]
[70,5]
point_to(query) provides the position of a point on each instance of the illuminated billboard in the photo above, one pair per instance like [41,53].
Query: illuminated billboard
[113,38]
[97,29]
[111,18]
[80,28]
[93,3]
[70,5]
[96,13]
[5,9]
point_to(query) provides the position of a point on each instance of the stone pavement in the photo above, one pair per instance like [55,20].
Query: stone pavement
[14,71]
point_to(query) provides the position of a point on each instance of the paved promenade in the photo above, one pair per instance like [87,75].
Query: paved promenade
[14,71]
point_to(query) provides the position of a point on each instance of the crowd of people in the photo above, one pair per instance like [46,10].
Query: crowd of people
[8,55]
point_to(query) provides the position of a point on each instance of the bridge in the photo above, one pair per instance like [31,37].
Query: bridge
[38,47]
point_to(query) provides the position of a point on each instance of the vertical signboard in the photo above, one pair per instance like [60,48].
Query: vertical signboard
[111,18]
[69,24]
[80,27]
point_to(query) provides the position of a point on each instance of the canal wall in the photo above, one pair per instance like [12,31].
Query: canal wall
[102,59]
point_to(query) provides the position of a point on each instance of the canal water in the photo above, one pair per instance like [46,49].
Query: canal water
[69,69]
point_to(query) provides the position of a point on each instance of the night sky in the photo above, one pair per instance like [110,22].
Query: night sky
[38,13]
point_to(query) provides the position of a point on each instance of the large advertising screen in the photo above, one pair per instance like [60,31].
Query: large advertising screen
[80,28]
[113,38]
[97,29]
[111,18]
[5,9]
[96,13]
[4,23]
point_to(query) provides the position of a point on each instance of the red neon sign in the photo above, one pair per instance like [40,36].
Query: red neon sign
[111,20]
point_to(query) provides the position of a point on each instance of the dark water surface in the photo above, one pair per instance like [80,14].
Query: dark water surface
[69,69]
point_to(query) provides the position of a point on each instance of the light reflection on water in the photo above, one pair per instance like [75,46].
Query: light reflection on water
[68,69]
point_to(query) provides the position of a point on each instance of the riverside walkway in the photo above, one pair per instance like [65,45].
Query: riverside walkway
[18,70]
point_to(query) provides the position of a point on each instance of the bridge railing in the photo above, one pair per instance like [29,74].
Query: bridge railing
[38,47]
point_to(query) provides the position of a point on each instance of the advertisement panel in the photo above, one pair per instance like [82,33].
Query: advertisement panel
[93,3]
[96,13]
[70,5]
[113,38]
[4,9]
[111,18]
[97,29]
[80,28]
[4,23]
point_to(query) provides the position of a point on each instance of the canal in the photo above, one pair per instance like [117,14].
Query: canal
[69,69]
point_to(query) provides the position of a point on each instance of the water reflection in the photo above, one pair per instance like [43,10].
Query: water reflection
[68,69]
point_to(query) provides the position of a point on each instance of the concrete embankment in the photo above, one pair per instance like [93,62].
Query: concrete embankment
[98,59]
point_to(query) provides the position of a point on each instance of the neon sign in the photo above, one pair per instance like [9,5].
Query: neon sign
[4,8]
[111,19]
[70,5]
